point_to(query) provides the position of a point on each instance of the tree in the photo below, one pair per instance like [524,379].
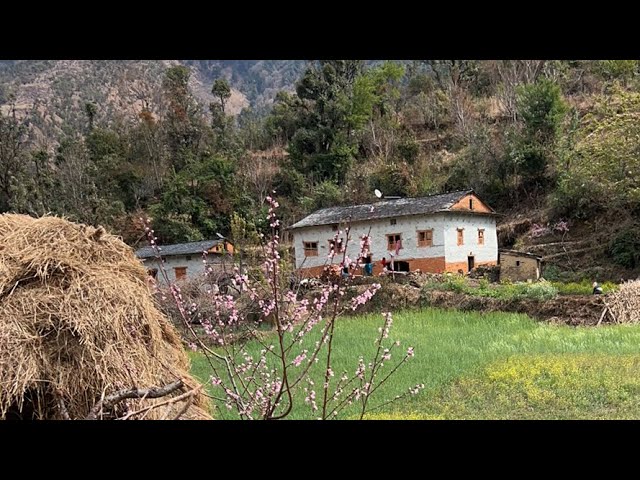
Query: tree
[454,77]
[510,75]
[269,383]
[76,177]
[324,143]
[282,122]
[531,143]
[622,70]
[183,123]
[91,110]
[198,202]
[149,151]
[38,182]
[375,104]
[222,91]
[541,108]
[13,138]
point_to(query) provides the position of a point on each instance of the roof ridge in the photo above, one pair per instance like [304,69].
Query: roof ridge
[427,204]
[466,192]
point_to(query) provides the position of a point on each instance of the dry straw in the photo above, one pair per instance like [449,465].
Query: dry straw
[78,323]
[625,302]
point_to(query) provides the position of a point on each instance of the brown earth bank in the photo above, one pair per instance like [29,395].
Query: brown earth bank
[572,310]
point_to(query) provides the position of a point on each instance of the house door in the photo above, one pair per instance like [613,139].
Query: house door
[470,263]
[400,266]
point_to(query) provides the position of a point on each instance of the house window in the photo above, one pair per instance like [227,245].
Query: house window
[471,204]
[460,236]
[336,246]
[392,241]
[188,258]
[153,272]
[310,249]
[425,238]
[181,272]
[517,263]
[334,227]
[392,221]
[481,236]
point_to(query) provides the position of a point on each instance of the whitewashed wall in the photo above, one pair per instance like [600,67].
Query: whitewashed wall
[444,227]
[406,226]
[194,266]
[471,223]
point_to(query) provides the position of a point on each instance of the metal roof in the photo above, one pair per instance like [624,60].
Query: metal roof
[178,249]
[384,209]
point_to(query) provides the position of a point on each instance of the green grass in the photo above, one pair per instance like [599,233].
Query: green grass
[494,365]
[582,288]
[542,290]
[505,291]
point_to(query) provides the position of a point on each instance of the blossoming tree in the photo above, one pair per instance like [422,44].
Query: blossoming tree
[262,375]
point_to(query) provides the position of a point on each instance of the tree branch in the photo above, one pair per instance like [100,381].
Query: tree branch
[117,397]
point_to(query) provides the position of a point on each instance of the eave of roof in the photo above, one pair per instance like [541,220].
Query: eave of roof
[388,208]
[190,248]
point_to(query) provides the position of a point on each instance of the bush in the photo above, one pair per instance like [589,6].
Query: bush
[538,291]
[409,150]
[391,179]
[624,249]
[451,283]
[585,287]
[506,291]
[552,273]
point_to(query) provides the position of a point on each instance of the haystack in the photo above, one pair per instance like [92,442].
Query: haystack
[625,302]
[78,324]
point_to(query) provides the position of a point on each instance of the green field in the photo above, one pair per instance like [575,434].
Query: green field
[492,366]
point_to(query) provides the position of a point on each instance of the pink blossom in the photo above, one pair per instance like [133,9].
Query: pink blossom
[256,387]
[300,358]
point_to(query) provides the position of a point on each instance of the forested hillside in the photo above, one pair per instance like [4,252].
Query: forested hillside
[196,145]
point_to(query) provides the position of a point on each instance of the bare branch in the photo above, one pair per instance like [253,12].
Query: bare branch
[117,397]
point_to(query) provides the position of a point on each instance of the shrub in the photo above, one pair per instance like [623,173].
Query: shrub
[538,291]
[505,290]
[585,287]
[624,249]
[552,273]
[454,283]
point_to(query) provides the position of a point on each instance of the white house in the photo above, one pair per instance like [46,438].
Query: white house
[440,233]
[185,260]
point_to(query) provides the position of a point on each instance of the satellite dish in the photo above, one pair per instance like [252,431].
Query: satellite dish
[378,193]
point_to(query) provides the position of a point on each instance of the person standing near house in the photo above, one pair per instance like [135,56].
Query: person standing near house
[368,266]
[345,271]
[385,264]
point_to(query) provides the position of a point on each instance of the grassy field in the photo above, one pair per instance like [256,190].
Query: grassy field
[512,291]
[492,366]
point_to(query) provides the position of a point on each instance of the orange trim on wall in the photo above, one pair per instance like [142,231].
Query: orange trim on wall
[430,265]
[453,267]
[478,205]
[311,271]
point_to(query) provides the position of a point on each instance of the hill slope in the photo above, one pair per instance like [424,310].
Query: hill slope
[53,92]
